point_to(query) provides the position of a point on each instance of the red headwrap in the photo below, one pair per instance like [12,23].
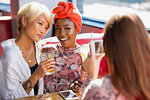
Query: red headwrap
[67,9]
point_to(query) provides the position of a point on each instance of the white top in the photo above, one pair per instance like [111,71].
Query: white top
[14,71]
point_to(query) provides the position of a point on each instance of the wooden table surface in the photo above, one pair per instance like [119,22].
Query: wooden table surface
[48,96]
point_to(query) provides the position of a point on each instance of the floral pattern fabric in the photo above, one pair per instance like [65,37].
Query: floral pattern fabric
[67,70]
[100,89]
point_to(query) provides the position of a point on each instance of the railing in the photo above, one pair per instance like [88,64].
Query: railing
[97,23]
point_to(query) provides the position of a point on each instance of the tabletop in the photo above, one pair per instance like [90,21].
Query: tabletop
[48,96]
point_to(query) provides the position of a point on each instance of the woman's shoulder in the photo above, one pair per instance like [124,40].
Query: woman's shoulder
[100,88]
[102,82]
[9,48]
[107,79]
[8,43]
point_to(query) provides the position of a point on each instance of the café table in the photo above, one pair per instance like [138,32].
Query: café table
[48,96]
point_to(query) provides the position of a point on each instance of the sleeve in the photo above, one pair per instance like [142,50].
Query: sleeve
[51,86]
[99,89]
[11,78]
[91,91]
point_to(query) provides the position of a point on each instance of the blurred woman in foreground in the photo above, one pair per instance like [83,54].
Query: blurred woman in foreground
[127,49]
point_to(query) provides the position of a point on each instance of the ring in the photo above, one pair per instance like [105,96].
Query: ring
[76,82]
[71,85]
[76,86]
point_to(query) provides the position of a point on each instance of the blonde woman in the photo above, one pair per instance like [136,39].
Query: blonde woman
[20,68]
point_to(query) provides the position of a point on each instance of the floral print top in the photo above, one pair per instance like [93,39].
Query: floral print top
[67,70]
[100,89]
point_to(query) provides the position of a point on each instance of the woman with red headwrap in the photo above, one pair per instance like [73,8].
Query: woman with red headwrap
[67,23]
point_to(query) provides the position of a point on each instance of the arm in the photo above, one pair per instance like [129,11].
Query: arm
[92,65]
[42,69]
[14,76]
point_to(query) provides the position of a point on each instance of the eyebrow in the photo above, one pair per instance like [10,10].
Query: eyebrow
[40,20]
[64,25]
[67,25]
[43,22]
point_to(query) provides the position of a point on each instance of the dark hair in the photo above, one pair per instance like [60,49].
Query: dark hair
[127,47]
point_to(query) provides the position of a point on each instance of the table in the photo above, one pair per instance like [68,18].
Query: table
[48,96]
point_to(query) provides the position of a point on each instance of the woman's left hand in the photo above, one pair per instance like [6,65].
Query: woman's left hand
[92,64]
[75,86]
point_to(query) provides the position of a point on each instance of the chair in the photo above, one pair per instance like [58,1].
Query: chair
[1,50]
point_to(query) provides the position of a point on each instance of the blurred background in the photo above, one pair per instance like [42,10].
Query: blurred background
[94,14]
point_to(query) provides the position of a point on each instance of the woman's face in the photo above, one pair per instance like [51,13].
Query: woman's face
[37,28]
[66,32]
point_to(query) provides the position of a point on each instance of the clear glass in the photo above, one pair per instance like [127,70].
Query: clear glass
[84,50]
[45,56]
[97,47]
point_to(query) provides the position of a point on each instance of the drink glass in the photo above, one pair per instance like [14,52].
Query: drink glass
[45,56]
[97,47]
[84,50]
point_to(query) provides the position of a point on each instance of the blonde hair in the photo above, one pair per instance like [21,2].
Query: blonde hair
[31,11]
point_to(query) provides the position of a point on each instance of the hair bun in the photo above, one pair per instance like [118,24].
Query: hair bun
[61,9]
[67,9]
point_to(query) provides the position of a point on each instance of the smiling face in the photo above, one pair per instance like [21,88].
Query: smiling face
[37,28]
[65,31]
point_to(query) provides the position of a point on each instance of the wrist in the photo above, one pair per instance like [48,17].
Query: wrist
[92,76]
[35,76]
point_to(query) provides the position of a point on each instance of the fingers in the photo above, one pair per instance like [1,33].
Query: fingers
[76,86]
[91,50]
[80,81]
[48,65]
[52,62]
[50,69]
[48,61]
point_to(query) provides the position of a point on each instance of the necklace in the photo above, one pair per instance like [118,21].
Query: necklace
[29,60]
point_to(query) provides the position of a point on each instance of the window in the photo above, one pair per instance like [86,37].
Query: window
[104,9]
[4,7]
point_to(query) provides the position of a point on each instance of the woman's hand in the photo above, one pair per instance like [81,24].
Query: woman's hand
[75,86]
[91,64]
[44,67]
